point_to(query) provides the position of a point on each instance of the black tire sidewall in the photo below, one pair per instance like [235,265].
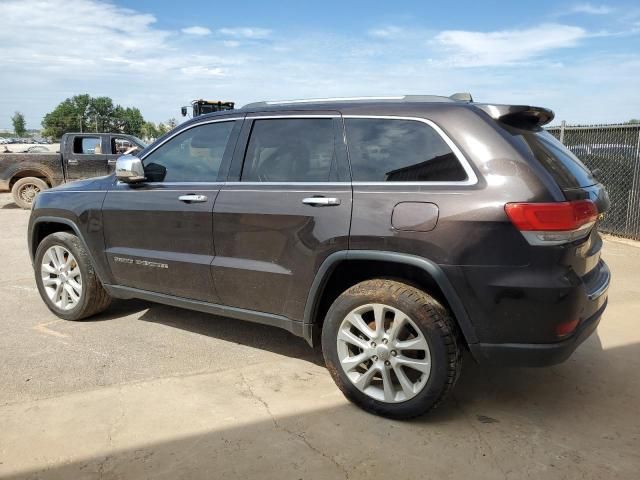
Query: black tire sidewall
[71,243]
[430,395]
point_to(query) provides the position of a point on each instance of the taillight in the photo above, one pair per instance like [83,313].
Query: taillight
[553,223]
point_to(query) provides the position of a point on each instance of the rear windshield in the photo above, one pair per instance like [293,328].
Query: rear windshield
[567,170]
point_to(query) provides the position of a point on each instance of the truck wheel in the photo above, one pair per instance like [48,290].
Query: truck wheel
[392,349]
[66,279]
[24,191]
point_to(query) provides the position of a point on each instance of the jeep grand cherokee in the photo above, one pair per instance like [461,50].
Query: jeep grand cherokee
[396,232]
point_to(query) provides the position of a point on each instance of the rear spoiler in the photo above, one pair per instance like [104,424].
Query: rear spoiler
[520,116]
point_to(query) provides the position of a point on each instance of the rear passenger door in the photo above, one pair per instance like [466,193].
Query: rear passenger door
[285,207]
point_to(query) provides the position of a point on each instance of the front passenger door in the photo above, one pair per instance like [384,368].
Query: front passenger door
[159,234]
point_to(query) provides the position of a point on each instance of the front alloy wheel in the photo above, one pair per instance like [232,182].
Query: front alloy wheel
[61,277]
[66,279]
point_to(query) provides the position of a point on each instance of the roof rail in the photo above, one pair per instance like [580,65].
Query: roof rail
[464,97]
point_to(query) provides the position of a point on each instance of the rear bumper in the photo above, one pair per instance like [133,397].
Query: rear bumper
[536,354]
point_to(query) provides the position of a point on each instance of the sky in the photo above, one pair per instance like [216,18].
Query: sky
[580,59]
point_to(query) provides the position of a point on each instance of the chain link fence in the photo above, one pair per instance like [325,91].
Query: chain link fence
[612,152]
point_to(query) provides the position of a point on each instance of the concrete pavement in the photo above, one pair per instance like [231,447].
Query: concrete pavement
[148,391]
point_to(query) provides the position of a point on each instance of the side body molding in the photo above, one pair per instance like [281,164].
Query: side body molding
[431,268]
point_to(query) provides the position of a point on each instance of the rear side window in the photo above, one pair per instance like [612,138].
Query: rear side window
[566,169]
[290,150]
[87,145]
[387,150]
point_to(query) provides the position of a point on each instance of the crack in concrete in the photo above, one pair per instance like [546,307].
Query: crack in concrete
[479,434]
[300,436]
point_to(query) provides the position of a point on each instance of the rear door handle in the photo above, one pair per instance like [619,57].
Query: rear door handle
[321,201]
[192,198]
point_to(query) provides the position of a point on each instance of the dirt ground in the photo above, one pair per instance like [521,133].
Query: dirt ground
[149,391]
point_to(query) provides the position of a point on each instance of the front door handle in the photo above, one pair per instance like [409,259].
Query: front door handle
[72,161]
[192,198]
[321,201]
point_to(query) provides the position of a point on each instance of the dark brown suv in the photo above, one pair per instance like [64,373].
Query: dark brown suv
[397,232]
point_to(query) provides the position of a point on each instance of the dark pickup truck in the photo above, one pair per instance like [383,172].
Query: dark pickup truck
[81,155]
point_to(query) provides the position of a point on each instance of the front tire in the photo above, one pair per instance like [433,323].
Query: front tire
[391,348]
[66,279]
[24,191]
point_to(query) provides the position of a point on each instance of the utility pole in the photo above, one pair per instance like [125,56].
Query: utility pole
[80,119]
[96,123]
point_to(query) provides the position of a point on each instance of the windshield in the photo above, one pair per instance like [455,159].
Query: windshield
[567,169]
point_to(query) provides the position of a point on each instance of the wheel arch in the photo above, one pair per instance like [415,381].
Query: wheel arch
[420,272]
[31,171]
[43,226]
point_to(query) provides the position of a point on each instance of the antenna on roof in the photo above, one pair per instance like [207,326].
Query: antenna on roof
[462,97]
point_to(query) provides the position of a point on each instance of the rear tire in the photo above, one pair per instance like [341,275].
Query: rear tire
[66,279]
[392,349]
[24,191]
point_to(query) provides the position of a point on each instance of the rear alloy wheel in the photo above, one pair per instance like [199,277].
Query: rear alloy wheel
[394,363]
[26,189]
[391,348]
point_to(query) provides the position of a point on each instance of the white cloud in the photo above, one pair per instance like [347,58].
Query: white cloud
[132,60]
[201,70]
[196,30]
[388,32]
[507,47]
[591,9]
[245,32]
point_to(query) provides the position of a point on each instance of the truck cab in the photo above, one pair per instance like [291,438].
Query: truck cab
[81,155]
[94,154]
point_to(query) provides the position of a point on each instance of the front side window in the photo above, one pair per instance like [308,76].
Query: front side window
[290,150]
[395,150]
[87,145]
[194,155]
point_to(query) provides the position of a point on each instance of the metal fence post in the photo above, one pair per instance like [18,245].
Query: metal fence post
[563,124]
[633,213]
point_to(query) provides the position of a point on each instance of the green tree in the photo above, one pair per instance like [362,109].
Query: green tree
[95,114]
[633,121]
[150,131]
[19,125]
[162,128]
[71,115]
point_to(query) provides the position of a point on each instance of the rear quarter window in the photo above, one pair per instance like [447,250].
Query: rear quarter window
[566,169]
[398,150]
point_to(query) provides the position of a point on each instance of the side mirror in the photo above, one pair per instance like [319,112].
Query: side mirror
[129,169]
